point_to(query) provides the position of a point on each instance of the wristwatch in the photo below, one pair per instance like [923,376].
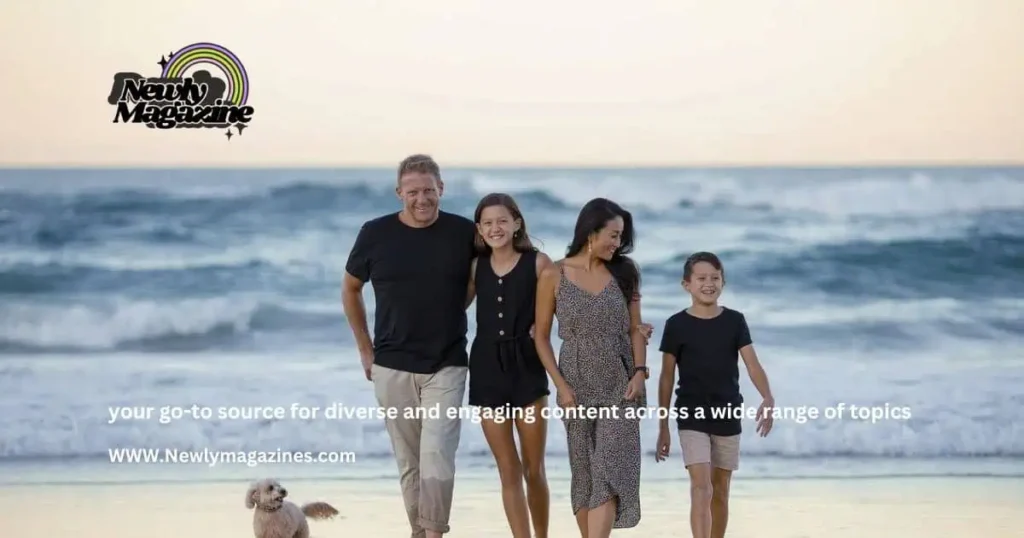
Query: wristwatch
[644,369]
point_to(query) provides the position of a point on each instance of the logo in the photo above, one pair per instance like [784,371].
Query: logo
[186,94]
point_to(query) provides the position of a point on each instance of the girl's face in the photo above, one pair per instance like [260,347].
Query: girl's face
[497,226]
[705,284]
[604,242]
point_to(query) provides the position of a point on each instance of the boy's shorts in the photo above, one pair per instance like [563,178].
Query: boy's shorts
[721,452]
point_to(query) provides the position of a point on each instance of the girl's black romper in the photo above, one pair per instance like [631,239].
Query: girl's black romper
[504,369]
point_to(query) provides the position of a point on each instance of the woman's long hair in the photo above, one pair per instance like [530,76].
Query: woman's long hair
[593,218]
[520,240]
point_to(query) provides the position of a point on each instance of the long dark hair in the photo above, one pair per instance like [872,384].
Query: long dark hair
[593,218]
[520,240]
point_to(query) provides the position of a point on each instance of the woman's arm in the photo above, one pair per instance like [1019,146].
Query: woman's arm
[547,283]
[637,337]
[637,380]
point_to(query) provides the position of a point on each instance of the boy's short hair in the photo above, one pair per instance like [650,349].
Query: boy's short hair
[698,257]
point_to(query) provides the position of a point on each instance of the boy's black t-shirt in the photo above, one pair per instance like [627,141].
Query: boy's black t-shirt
[707,359]
[420,278]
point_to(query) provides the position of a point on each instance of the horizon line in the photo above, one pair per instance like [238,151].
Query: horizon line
[528,166]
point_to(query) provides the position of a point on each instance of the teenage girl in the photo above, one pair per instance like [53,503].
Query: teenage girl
[506,378]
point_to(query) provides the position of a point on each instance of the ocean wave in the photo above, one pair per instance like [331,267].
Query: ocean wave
[896,267]
[900,294]
[238,270]
[838,192]
[242,321]
[870,270]
[37,435]
[150,325]
[49,221]
[961,403]
[150,220]
[903,269]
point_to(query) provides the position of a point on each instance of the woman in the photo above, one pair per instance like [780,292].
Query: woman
[506,379]
[595,293]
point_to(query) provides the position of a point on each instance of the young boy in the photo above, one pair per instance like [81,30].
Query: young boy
[703,341]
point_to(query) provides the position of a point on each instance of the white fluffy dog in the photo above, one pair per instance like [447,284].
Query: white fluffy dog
[278,518]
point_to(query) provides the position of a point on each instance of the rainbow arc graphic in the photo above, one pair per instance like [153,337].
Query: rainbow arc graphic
[237,78]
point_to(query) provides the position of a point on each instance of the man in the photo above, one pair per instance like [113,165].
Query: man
[418,261]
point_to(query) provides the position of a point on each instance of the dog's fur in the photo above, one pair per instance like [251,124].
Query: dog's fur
[278,518]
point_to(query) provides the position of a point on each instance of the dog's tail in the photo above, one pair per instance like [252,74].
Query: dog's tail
[319,510]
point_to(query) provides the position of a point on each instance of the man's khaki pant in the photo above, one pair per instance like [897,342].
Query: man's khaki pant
[424,437]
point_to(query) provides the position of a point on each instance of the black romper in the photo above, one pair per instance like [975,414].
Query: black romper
[504,369]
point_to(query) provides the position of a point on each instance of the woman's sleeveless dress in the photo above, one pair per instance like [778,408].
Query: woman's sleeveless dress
[596,359]
[504,368]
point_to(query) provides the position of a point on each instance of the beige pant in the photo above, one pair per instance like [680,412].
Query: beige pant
[720,452]
[424,446]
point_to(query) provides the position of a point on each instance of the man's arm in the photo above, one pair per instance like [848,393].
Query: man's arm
[355,312]
[358,269]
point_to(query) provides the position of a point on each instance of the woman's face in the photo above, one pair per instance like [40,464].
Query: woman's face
[607,240]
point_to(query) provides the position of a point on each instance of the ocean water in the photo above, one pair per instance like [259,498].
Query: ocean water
[867,287]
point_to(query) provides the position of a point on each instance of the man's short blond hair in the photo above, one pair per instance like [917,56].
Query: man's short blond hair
[424,164]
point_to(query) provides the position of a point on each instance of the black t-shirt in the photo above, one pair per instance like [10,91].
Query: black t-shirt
[707,359]
[420,278]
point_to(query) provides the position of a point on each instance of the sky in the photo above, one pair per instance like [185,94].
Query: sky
[531,82]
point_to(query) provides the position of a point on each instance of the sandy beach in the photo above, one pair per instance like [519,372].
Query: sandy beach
[854,508]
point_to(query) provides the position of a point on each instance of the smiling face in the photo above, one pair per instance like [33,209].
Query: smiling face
[607,240]
[704,283]
[497,226]
[421,195]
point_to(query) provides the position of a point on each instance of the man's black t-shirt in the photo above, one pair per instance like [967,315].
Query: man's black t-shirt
[420,278]
[707,358]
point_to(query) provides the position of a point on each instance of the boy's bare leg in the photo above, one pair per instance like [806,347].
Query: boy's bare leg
[720,481]
[701,492]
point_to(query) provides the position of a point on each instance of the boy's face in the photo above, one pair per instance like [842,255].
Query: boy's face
[705,284]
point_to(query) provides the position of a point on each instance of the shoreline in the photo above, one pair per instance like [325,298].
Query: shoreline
[768,508]
[59,471]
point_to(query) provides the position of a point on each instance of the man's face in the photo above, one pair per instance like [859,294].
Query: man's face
[421,195]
